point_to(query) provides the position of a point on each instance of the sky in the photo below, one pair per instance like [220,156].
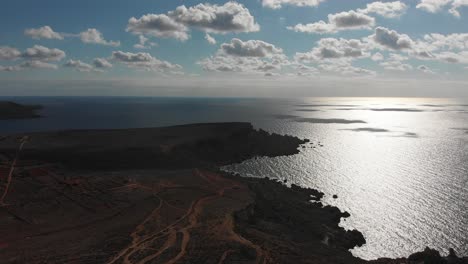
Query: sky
[271,48]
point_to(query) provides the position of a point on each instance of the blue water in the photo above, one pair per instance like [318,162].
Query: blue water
[398,165]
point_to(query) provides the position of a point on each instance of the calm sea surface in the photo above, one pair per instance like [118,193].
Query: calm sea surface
[399,166]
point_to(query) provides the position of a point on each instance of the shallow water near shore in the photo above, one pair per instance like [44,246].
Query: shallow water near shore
[399,166]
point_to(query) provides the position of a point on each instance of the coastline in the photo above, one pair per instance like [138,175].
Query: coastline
[161,189]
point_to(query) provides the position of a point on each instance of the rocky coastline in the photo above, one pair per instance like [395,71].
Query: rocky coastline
[157,195]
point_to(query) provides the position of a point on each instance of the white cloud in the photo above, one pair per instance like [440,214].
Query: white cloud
[45,32]
[337,22]
[9,53]
[42,53]
[38,65]
[161,26]
[251,56]
[396,63]
[250,48]
[377,57]
[210,39]
[320,27]
[333,49]
[456,5]
[102,63]
[93,36]
[276,4]
[29,65]
[345,68]
[391,39]
[434,6]
[79,65]
[231,17]
[144,43]
[144,61]
[386,9]
[425,69]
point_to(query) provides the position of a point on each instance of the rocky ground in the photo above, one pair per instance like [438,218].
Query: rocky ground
[157,196]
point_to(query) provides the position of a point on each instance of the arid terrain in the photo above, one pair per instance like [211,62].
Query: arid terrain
[156,195]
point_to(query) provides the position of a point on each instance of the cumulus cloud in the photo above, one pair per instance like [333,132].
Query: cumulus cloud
[93,36]
[45,32]
[29,65]
[210,39]
[144,61]
[9,53]
[434,6]
[391,39]
[144,43]
[41,53]
[385,9]
[425,69]
[79,65]
[337,22]
[377,57]
[332,49]
[345,68]
[101,63]
[231,17]
[396,63]
[38,65]
[252,56]
[250,48]
[161,26]
[276,4]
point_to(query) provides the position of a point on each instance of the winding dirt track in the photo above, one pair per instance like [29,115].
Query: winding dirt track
[174,237]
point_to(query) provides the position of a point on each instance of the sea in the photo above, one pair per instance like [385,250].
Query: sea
[399,166]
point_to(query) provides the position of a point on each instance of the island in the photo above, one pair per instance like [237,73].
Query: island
[158,195]
[11,110]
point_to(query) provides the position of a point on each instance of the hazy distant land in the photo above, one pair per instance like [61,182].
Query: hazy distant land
[156,195]
[11,110]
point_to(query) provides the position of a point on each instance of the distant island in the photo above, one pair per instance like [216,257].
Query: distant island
[157,195]
[12,110]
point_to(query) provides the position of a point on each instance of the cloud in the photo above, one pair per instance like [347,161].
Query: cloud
[231,17]
[9,53]
[45,32]
[425,69]
[29,65]
[456,4]
[332,48]
[276,4]
[93,36]
[337,22]
[435,6]
[385,9]
[395,63]
[250,48]
[142,43]
[102,63]
[42,53]
[79,65]
[377,57]
[391,39]
[344,68]
[210,39]
[432,6]
[252,56]
[38,65]
[435,41]
[161,26]
[144,61]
